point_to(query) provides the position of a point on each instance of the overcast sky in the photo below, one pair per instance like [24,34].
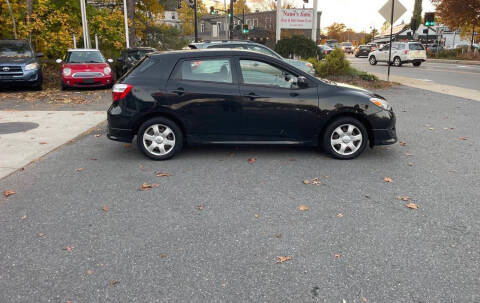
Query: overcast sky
[357,14]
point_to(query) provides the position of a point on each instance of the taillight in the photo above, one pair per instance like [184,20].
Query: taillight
[406,52]
[119,91]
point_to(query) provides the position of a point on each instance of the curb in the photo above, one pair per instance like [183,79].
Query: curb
[462,62]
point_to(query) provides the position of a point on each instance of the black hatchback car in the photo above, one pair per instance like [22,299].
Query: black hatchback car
[19,64]
[242,97]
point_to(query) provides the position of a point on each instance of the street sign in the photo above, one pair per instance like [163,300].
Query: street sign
[398,10]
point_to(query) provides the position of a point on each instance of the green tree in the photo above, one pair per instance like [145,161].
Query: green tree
[297,45]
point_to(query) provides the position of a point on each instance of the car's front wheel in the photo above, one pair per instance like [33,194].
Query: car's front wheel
[159,138]
[345,138]
[372,60]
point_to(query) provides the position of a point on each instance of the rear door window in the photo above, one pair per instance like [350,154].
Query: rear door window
[210,70]
[416,46]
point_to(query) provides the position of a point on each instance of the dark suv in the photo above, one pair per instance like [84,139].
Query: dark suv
[242,97]
[19,64]
[129,57]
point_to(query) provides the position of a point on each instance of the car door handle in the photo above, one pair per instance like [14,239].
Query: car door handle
[293,94]
[251,95]
[179,91]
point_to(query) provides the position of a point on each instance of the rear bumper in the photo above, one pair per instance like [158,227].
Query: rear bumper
[119,125]
[118,134]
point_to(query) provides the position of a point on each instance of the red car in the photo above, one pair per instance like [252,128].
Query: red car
[86,68]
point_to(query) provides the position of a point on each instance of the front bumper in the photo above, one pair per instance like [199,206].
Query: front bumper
[31,77]
[88,82]
[383,131]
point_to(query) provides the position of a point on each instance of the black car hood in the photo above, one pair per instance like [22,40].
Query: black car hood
[16,60]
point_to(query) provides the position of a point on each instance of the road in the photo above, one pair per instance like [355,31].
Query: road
[79,229]
[466,76]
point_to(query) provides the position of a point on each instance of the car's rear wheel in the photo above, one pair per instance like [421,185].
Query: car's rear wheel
[372,60]
[159,138]
[417,63]
[345,138]
[397,61]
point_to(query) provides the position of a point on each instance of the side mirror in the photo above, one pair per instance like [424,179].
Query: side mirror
[302,82]
[110,60]
[58,61]
[39,55]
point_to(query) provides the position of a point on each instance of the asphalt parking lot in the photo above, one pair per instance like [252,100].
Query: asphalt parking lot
[80,229]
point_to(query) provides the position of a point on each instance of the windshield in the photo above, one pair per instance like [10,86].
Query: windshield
[15,49]
[416,46]
[347,44]
[84,57]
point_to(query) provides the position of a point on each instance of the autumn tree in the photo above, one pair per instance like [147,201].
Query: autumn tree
[185,14]
[335,31]
[240,6]
[460,14]
[417,13]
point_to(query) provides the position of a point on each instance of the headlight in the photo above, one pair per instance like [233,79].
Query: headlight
[381,103]
[32,66]
[107,70]
[67,71]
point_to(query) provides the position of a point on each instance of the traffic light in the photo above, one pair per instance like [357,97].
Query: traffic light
[429,19]
[212,10]
[245,29]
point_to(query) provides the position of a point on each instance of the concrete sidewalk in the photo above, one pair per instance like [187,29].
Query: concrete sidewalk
[28,135]
[448,61]
[434,87]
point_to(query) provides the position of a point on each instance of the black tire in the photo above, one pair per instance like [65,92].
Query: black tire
[329,135]
[417,64]
[177,137]
[38,86]
[397,62]
[64,87]
[372,60]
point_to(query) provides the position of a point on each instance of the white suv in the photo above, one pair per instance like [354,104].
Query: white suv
[402,52]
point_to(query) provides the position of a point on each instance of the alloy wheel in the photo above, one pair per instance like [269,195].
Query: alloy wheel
[159,139]
[346,139]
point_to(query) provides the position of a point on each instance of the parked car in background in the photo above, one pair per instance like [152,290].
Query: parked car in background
[129,57]
[325,49]
[433,48]
[85,68]
[19,64]
[373,46]
[257,47]
[362,51]
[347,47]
[402,52]
[229,96]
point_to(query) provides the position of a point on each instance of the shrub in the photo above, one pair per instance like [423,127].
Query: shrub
[335,64]
[297,45]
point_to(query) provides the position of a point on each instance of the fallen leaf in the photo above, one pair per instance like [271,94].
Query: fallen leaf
[338,256]
[127,145]
[200,207]
[278,236]
[282,259]
[306,181]
[256,216]
[164,255]
[140,166]
[252,160]
[408,154]
[410,164]
[412,205]
[403,143]
[462,138]
[302,207]
[388,180]
[160,174]
[403,198]
[146,186]
[68,301]
[42,142]
[316,181]
[340,215]
[80,169]
[105,208]
[24,217]
[431,128]
[69,248]
[8,193]
[89,272]
[364,299]
[98,135]
[113,283]
[41,235]
[367,196]
[93,159]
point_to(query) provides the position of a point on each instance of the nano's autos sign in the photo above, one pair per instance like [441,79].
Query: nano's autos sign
[296,18]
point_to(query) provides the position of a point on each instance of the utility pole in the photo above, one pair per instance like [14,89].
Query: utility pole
[86,35]
[315,19]
[195,19]
[13,20]
[230,24]
[125,19]
[277,22]
[226,19]
[390,48]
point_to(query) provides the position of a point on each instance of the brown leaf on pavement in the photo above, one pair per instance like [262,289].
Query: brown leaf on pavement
[200,207]
[340,215]
[98,135]
[306,181]
[256,216]
[164,255]
[69,248]
[24,217]
[278,236]
[316,181]
[8,193]
[403,198]
[462,138]
[410,164]
[146,186]
[408,154]
[403,143]
[302,207]
[113,283]
[41,235]
[105,208]
[412,205]
[252,160]
[80,169]
[337,256]
[281,259]
[43,142]
[388,180]
[89,272]
[160,174]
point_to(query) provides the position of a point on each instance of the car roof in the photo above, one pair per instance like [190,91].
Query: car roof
[83,50]
[207,43]
[140,48]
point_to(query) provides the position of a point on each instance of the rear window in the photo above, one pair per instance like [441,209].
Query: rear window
[416,46]
[146,68]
